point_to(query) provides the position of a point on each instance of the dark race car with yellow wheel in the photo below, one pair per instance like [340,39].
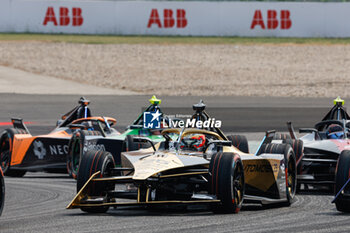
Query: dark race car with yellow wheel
[20,151]
[190,166]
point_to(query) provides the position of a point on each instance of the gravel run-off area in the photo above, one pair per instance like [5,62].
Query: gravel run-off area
[186,69]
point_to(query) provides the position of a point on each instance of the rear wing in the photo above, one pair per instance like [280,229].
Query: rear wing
[19,124]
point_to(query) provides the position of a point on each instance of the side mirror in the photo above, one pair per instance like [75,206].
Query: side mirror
[220,142]
[310,130]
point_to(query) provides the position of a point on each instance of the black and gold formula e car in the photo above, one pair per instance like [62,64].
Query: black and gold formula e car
[191,166]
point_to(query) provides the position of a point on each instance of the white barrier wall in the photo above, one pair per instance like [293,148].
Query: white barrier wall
[260,19]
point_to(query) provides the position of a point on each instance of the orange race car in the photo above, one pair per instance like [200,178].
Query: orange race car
[20,151]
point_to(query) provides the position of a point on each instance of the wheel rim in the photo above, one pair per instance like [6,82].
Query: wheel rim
[291,177]
[238,184]
[107,171]
[5,160]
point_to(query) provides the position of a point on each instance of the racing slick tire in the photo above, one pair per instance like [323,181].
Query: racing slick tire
[240,142]
[226,182]
[92,162]
[75,150]
[281,136]
[130,145]
[298,148]
[289,164]
[6,152]
[341,177]
[2,191]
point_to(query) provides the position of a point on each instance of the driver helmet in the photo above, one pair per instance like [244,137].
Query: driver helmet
[199,141]
[335,132]
[193,142]
[88,125]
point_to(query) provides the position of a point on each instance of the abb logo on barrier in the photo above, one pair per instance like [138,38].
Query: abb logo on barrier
[168,18]
[64,18]
[272,20]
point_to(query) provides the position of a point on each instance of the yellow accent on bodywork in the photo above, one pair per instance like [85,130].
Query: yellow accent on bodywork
[233,150]
[338,100]
[153,164]
[154,100]
[261,173]
[82,192]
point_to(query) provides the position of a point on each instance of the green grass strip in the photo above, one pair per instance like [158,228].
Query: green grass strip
[112,39]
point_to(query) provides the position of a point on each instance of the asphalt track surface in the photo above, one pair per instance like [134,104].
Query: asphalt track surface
[36,202]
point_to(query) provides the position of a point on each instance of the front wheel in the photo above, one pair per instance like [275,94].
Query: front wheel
[341,177]
[6,153]
[290,171]
[291,174]
[92,162]
[227,182]
[75,148]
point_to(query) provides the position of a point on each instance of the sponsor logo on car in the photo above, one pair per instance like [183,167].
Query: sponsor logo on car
[39,149]
[58,149]
[91,145]
[264,168]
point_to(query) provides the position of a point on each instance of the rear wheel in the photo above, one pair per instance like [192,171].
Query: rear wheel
[289,167]
[341,177]
[92,162]
[227,182]
[282,136]
[6,141]
[240,142]
[298,148]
